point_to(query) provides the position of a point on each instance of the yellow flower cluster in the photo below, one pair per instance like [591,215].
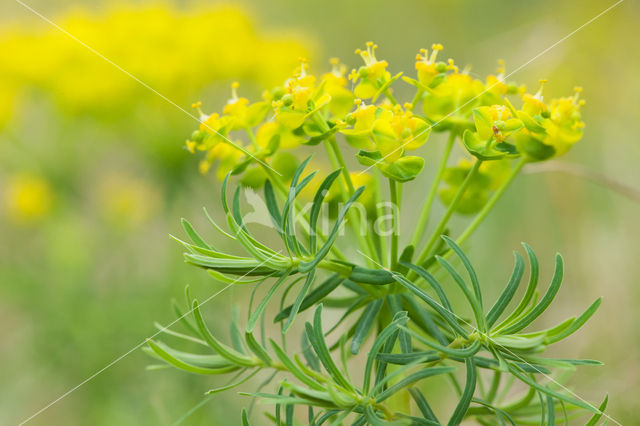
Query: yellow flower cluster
[306,110]
[177,51]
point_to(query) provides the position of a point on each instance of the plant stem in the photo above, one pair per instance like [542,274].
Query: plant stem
[426,209]
[395,210]
[491,203]
[389,96]
[382,242]
[345,172]
[354,219]
[447,215]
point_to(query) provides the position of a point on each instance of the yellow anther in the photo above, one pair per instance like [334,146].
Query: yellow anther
[358,51]
[577,89]
[196,105]
[437,46]
[370,44]
[235,85]
[334,61]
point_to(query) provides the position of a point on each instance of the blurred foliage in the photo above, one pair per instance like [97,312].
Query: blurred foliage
[78,289]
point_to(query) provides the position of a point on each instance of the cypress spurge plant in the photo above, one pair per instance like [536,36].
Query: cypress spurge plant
[398,324]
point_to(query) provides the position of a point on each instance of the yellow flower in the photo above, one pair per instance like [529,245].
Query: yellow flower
[552,132]
[397,130]
[534,104]
[564,126]
[427,66]
[271,128]
[226,154]
[452,101]
[175,51]
[373,75]
[28,198]
[335,85]
[495,122]
[362,120]
[292,108]
[128,201]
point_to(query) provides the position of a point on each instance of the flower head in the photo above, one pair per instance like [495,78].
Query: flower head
[426,64]
[372,75]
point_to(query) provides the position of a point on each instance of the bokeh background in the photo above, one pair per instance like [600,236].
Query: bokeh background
[94,176]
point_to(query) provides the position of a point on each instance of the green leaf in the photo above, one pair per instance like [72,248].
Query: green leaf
[232,385]
[423,405]
[395,305]
[473,301]
[255,316]
[217,365]
[293,368]
[257,349]
[411,379]
[399,319]
[422,318]
[324,250]
[317,205]
[575,325]
[272,206]
[234,331]
[467,394]
[594,419]
[222,349]
[444,313]
[470,350]
[467,264]
[405,257]
[316,295]
[403,169]
[309,356]
[505,297]
[544,303]
[547,391]
[195,237]
[365,323]
[316,337]
[433,282]
[482,150]
[299,299]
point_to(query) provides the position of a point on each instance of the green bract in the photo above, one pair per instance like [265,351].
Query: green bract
[338,245]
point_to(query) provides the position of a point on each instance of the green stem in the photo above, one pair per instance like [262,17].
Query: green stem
[378,197]
[354,218]
[426,209]
[345,172]
[447,215]
[395,207]
[389,96]
[491,203]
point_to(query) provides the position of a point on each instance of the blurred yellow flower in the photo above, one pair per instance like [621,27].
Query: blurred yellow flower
[175,50]
[127,201]
[28,198]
